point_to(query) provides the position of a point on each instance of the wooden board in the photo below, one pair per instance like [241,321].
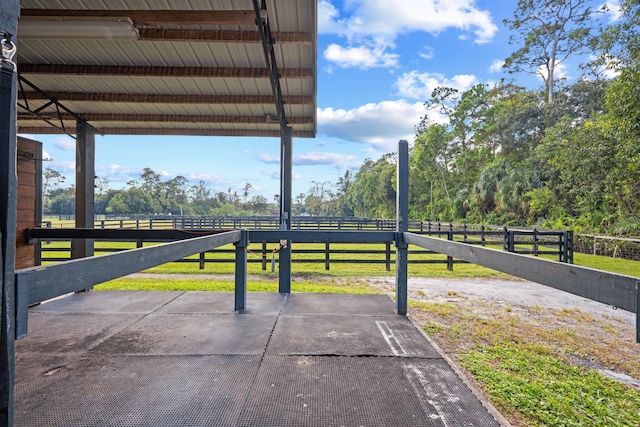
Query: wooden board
[28,214]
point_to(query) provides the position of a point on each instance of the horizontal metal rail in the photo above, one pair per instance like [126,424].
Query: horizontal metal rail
[321,236]
[40,283]
[115,234]
[609,288]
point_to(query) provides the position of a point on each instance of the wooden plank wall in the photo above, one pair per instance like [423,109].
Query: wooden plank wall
[29,213]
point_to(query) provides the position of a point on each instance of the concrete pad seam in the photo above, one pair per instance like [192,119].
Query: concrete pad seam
[463,376]
[261,361]
[145,315]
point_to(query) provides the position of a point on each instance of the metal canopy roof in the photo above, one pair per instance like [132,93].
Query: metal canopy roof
[161,67]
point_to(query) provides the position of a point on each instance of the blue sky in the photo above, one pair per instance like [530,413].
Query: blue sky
[378,61]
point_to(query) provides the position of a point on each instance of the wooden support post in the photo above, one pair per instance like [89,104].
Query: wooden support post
[402,225]
[241,271]
[8,205]
[264,255]
[388,255]
[327,251]
[570,246]
[449,259]
[201,259]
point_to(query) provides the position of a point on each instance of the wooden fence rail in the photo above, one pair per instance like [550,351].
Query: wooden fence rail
[536,243]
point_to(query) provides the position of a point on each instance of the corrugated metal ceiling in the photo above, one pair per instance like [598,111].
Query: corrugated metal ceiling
[222,82]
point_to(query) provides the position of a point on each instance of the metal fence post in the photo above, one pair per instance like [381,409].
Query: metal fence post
[388,255]
[560,247]
[326,256]
[402,223]
[570,247]
[505,239]
[241,271]
[450,259]
[264,255]
[201,260]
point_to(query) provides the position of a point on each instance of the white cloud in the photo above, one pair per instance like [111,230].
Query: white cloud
[45,156]
[63,166]
[118,173]
[313,158]
[380,125]
[372,26]
[420,85]
[213,179]
[496,66]
[275,174]
[613,9]
[343,161]
[361,56]
[427,52]
[65,143]
[384,18]
[269,158]
[328,18]
[560,71]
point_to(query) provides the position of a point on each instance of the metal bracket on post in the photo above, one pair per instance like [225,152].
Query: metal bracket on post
[240,300]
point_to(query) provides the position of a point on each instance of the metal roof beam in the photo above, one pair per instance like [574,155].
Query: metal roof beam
[220,36]
[275,75]
[163,118]
[172,131]
[150,17]
[141,98]
[161,71]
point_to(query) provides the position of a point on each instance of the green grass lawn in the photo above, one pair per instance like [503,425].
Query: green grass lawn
[364,268]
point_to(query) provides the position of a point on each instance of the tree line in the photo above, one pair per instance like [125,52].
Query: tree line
[566,155]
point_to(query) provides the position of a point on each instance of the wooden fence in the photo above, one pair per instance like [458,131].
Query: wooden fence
[549,243]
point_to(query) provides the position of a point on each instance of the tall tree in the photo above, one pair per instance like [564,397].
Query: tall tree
[549,32]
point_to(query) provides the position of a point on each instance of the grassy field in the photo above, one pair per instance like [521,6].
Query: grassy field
[365,268]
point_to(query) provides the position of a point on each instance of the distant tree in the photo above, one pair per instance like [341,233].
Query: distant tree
[549,32]
[131,201]
[51,179]
[102,185]
[259,204]
[199,192]
[62,201]
[245,191]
